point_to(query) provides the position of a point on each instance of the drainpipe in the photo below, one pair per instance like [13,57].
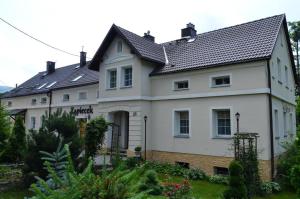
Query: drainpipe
[50,101]
[271,120]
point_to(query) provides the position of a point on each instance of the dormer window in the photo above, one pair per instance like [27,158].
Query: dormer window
[119,47]
[50,85]
[77,78]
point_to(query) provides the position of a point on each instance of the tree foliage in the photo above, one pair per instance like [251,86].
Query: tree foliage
[237,188]
[95,134]
[4,128]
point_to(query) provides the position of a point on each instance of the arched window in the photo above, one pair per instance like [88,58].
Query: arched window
[119,47]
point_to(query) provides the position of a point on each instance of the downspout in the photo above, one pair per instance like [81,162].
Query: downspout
[50,102]
[271,120]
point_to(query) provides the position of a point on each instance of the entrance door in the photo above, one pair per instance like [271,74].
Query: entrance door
[121,118]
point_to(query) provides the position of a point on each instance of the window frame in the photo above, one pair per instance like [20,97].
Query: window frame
[276,123]
[213,77]
[63,99]
[32,122]
[279,70]
[108,78]
[44,101]
[86,95]
[213,122]
[33,101]
[286,76]
[9,103]
[176,82]
[123,68]
[176,126]
[119,46]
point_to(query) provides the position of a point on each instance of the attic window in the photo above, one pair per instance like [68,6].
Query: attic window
[42,86]
[77,78]
[51,84]
[119,47]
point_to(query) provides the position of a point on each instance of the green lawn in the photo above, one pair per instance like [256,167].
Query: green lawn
[200,189]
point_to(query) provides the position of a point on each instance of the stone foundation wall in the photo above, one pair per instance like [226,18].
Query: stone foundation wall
[207,163]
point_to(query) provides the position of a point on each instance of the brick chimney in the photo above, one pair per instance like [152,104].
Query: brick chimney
[50,67]
[82,58]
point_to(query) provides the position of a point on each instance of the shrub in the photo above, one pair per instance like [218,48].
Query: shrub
[218,179]
[195,174]
[132,162]
[138,149]
[151,183]
[95,134]
[4,128]
[270,187]
[295,178]
[237,188]
[16,148]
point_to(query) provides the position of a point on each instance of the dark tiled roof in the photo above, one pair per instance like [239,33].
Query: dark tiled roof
[236,44]
[62,76]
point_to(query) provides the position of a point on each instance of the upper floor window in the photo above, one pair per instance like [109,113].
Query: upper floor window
[9,103]
[279,70]
[82,95]
[127,76]
[181,85]
[221,122]
[33,102]
[182,123]
[43,100]
[119,47]
[112,78]
[220,81]
[66,97]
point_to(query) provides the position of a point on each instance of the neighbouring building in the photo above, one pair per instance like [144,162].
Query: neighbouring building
[179,98]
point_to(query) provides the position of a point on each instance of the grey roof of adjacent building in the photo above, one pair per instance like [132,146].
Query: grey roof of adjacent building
[63,77]
[241,43]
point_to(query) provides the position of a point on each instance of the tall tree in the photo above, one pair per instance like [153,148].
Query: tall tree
[4,128]
[294,32]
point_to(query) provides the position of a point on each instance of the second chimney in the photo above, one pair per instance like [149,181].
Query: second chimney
[189,31]
[50,67]
[148,36]
[82,58]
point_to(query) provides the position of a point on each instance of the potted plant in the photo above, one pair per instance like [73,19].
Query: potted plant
[137,151]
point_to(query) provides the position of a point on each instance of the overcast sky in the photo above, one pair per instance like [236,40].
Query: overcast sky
[70,24]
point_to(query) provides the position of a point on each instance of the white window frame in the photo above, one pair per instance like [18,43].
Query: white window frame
[63,99]
[9,104]
[86,94]
[123,68]
[33,101]
[285,127]
[32,122]
[213,132]
[175,82]
[212,77]
[44,102]
[291,123]
[119,44]
[175,131]
[107,76]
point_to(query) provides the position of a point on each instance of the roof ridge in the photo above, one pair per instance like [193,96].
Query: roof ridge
[224,28]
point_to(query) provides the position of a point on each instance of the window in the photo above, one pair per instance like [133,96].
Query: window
[222,122]
[221,171]
[127,76]
[43,100]
[112,78]
[82,95]
[279,70]
[51,84]
[66,97]
[286,74]
[276,120]
[220,81]
[77,78]
[40,87]
[185,165]
[284,124]
[9,103]
[119,47]
[291,124]
[181,123]
[181,85]
[32,122]
[33,102]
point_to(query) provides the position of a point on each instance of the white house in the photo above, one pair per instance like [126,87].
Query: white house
[178,100]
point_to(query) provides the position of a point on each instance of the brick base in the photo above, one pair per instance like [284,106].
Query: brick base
[206,162]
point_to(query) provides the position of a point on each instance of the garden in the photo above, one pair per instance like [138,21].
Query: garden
[50,164]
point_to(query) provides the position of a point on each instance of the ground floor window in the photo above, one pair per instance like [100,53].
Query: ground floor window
[181,123]
[32,122]
[221,171]
[221,122]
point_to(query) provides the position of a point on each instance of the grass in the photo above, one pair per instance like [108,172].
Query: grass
[14,193]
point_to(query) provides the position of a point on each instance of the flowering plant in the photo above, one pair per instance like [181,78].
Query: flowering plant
[177,190]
